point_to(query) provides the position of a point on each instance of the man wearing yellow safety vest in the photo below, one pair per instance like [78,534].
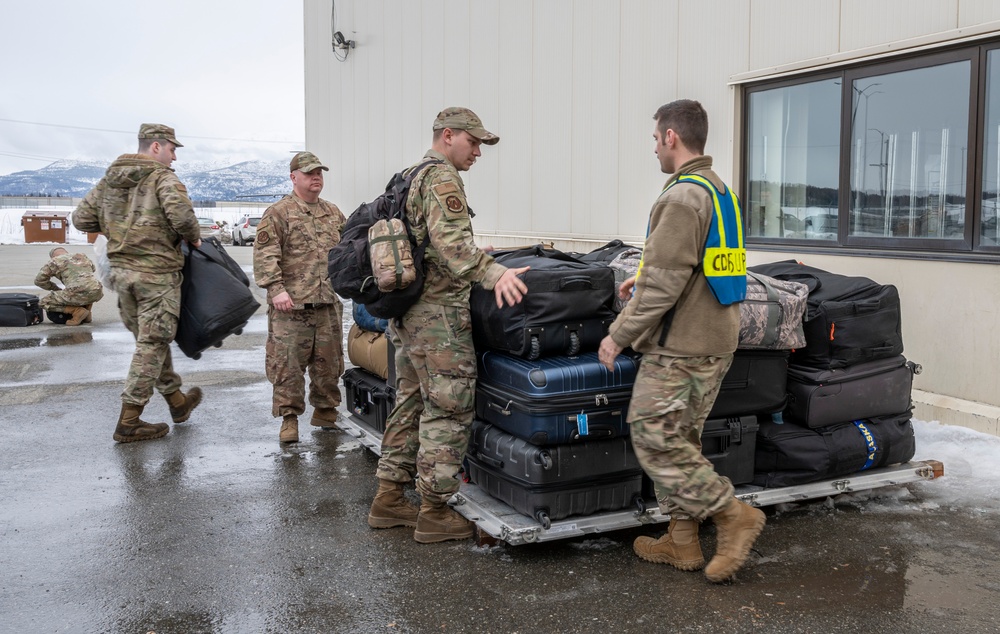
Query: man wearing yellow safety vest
[684,317]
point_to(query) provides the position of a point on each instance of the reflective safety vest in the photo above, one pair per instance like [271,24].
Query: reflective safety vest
[725,261]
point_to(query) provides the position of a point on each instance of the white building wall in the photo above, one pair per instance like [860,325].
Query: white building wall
[571,86]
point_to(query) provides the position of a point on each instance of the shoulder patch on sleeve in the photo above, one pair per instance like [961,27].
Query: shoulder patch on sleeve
[445,188]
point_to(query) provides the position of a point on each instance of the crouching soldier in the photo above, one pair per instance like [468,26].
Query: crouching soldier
[80,288]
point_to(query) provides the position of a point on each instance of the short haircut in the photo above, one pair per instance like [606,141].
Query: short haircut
[437,134]
[52,252]
[145,144]
[688,119]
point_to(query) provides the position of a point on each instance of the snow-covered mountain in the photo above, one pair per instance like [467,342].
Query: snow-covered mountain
[204,181]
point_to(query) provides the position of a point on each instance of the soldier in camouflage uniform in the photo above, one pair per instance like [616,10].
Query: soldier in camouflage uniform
[684,358]
[304,317]
[144,211]
[427,432]
[80,289]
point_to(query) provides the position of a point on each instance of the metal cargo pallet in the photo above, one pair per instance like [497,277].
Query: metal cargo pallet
[501,522]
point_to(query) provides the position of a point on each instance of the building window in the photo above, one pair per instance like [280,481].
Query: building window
[890,155]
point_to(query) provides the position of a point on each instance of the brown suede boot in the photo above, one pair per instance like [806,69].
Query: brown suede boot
[325,417]
[390,508]
[738,526]
[437,522]
[79,313]
[181,404]
[90,314]
[289,429]
[131,429]
[679,547]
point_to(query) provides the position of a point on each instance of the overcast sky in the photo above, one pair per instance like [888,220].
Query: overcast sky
[79,77]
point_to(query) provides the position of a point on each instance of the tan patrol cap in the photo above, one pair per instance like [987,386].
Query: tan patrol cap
[158,131]
[465,119]
[306,162]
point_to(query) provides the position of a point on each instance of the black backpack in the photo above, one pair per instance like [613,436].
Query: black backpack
[349,263]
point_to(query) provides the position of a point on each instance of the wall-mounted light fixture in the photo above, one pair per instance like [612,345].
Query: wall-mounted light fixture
[341,45]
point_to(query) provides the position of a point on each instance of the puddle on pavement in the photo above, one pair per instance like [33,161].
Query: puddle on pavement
[58,339]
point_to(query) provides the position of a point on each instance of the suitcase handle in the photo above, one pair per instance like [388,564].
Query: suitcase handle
[576,283]
[572,417]
[493,462]
[595,432]
[505,410]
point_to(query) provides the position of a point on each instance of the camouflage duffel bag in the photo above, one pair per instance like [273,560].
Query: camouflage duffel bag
[771,315]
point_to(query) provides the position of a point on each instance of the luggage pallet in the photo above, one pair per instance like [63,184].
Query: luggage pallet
[498,521]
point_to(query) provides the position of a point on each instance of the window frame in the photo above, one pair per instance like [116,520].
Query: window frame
[966,247]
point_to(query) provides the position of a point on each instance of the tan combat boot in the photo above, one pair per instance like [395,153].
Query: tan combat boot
[181,404]
[90,314]
[390,508]
[679,547]
[738,526]
[289,429]
[79,313]
[437,522]
[131,429]
[325,417]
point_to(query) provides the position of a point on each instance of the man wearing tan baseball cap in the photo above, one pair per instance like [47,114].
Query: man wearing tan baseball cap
[158,131]
[464,119]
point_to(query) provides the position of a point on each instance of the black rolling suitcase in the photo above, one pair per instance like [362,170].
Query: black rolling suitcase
[19,309]
[754,384]
[817,398]
[789,454]
[555,400]
[567,309]
[216,300]
[369,398]
[550,483]
[848,320]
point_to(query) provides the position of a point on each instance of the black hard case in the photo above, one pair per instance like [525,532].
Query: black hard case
[567,309]
[369,398]
[19,309]
[817,398]
[754,384]
[550,483]
[789,454]
[216,300]
[540,401]
[848,320]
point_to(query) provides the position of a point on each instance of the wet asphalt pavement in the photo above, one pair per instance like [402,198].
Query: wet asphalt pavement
[218,528]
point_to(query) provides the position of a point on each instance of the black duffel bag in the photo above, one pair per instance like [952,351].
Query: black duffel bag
[216,300]
[848,320]
[788,454]
[567,309]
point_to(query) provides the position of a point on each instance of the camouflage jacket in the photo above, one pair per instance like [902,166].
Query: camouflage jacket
[289,251]
[670,277]
[143,209]
[75,271]
[437,204]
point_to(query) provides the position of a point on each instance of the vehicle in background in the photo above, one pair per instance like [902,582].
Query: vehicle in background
[209,228]
[245,230]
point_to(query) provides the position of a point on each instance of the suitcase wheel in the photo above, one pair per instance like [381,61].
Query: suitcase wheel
[196,356]
[574,344]
[639,504]
[544,459]
[238,331]
[217,344]
[543,519]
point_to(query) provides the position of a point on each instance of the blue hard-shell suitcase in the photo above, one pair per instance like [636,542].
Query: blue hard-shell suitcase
[555,400]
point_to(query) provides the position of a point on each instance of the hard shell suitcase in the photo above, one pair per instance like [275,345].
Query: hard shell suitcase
[754,384]
[848,320]
[368,350]
[216,300]
[19,309]
[817,397]
[555,400]
[550,483]
[369,398]
[789,454]
[567,309]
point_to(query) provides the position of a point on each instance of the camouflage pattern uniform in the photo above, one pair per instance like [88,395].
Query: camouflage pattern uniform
[289,255]
[144,211]
[427,432]
[680,373]
[80,286]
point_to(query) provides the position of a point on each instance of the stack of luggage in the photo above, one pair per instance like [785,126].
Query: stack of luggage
[369,385]
[849,386]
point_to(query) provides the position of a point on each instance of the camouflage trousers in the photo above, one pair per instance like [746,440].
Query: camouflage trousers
[149,305]
[67,298]
[671,399]
[298,340]
[427,433]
